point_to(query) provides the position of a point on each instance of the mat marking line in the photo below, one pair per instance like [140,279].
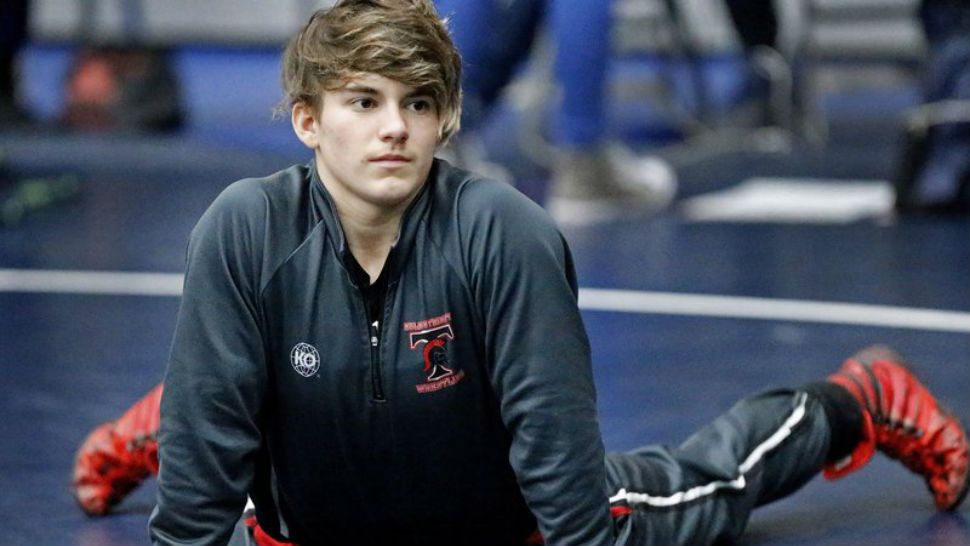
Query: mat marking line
[109,283]
[665,303]
[121,283]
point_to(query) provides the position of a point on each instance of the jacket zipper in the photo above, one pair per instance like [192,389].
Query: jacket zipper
[377,379]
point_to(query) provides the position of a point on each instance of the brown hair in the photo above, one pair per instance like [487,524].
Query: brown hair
[404,40]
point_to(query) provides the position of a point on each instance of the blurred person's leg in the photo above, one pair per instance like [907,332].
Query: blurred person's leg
[934,174]
[946,25]
[13,35]
[594,180]
[581,29]
[20,195]
[494,37]
[755,22]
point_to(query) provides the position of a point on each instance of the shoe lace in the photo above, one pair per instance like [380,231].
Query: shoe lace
[908,445]
[120,466]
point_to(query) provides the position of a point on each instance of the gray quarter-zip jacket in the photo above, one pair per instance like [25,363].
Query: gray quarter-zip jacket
[465,417]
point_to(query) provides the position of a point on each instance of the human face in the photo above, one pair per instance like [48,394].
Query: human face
[374,140]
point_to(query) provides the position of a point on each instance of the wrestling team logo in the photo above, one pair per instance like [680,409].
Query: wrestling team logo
[431,337]
[305,359]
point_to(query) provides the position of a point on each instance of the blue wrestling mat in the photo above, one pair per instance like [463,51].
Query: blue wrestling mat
[712,309]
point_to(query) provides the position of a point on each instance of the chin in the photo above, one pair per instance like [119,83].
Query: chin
[394,192]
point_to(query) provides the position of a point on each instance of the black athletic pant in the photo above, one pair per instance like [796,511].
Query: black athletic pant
[755,21]
[764,448]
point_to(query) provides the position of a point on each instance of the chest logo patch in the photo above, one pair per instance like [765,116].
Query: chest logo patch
[430,338]
[305,359]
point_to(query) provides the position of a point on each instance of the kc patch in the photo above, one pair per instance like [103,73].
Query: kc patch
[431,337]
[305,359]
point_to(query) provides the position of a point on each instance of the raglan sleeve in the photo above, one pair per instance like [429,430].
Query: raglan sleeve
[522,276]
[215,381]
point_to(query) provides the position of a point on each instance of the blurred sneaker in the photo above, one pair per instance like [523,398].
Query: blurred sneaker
[904,421]
[608,183]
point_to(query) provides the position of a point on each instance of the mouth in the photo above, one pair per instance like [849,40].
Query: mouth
[390,160]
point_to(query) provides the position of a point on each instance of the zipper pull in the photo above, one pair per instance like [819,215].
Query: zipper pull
[373,333]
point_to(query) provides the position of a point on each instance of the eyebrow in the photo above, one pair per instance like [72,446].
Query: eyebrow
[357,88]
[367,90]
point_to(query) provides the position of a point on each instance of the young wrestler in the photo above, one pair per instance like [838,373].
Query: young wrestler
[378,348]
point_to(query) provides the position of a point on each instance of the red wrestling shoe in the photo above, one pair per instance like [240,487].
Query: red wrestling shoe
[117,456]
[904,421]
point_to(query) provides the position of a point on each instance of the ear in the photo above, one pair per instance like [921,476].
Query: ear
[305,120]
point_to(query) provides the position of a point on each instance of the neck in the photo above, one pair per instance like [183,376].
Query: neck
[370,239]
[370,228]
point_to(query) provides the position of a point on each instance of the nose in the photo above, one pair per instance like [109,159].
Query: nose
[394,127]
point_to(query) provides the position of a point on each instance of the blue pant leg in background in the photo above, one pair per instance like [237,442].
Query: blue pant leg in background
[581,31]
[493,38]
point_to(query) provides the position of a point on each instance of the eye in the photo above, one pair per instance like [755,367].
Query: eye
[364,103]
[421,105]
